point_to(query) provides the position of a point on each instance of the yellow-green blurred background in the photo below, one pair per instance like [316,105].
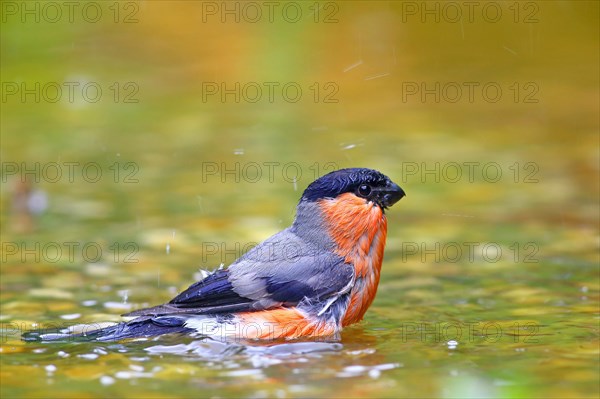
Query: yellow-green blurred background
[378,83]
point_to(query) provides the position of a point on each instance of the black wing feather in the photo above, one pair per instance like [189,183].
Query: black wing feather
[214,294]
[214,290]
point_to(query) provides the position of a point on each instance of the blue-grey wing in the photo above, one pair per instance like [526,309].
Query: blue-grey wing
[281,271]
[285,269]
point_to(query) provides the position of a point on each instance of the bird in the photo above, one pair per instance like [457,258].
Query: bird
[311,279]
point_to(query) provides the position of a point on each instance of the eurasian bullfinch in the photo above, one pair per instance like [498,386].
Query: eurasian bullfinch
[309,280]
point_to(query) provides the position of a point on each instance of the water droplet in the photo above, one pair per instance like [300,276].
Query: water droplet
[124,294]
[88,356]
[100,351]
[374,373]
[71,316]
[117,305]
[355,369]
[107,380]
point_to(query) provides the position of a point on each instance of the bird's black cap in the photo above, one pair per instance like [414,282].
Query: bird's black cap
[367,183]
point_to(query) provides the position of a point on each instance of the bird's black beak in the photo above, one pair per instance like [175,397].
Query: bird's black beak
[389,195]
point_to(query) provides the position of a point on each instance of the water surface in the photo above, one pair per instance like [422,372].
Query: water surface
[490,280]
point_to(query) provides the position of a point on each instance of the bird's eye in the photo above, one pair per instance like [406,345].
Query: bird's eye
[364,190]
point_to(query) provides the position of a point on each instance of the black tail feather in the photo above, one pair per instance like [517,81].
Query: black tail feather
[142,327]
